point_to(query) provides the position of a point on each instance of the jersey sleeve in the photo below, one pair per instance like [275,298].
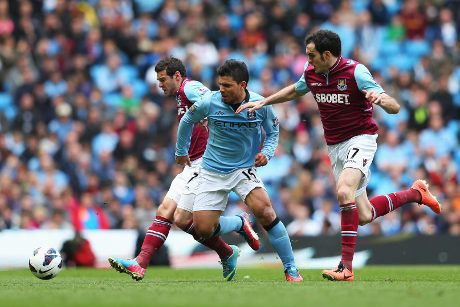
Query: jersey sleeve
[365,81]
[301,85]
[197,112]
[195,90]
[272,131]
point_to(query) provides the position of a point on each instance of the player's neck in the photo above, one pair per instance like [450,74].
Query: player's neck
[332,62]
[239,100]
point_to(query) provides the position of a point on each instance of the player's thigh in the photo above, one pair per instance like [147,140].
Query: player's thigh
[364,209]
[259,203]
[206,221]
[245,181]
[251,190]
[179,184]
[207,208]
[350,163]
[347,185]
[360,151]
[178,187]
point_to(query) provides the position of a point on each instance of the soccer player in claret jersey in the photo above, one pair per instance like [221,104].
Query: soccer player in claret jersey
[230,159]
[346,94]
[171,74]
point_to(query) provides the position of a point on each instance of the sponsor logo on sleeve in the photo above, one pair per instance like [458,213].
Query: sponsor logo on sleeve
[192,109]
[202,90]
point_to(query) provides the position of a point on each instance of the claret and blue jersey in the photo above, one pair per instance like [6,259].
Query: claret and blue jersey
[190,92]
[234,139]
[344,110]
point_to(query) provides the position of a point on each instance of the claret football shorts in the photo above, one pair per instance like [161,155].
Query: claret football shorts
[209,190]
[357,152]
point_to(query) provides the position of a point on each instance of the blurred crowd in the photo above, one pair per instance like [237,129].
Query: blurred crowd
[87,138]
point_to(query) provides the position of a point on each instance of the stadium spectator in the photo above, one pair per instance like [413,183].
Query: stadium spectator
[95,49]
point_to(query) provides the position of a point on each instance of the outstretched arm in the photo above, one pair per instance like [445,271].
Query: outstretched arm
[286,94]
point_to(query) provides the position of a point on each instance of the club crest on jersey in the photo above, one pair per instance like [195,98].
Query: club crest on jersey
[342,84]
[252,115]
[203,90]
[179,101]
[276,122]
[364,162]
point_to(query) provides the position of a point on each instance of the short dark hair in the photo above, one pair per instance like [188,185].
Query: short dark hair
[325,40]
[171,65]
[235,69]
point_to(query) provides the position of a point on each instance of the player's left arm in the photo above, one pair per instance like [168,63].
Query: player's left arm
[272,131]
[197,112]
[373,92]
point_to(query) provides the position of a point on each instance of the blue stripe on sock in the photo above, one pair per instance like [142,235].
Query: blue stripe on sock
[154,235]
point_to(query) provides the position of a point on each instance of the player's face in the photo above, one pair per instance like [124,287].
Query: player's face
[231,91]
[168,84]
[319,61]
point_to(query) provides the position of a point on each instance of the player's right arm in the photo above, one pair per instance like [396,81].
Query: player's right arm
[285,94]
[194,91]
[197,112]
[288,93]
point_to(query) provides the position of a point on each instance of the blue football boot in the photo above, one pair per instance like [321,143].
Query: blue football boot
[229,264]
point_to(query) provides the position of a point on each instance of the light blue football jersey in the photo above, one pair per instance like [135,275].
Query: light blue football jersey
[234,139]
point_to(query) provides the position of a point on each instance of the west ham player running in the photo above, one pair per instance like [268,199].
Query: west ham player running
[171,74]
[230,159]
[346,93]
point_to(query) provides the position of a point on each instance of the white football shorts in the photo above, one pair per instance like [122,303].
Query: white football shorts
[357,152]
[178,184]
[209,190]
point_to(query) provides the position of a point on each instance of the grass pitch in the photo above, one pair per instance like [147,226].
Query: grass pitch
[388,286]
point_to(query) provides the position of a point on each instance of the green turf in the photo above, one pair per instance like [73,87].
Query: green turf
[374,286]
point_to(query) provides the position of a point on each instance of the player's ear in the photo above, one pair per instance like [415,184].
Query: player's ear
[243,84]
[177,75]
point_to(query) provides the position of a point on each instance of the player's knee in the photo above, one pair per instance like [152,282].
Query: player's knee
[181,220]
[365,217]
[204,231]
[344,195]
[264,213]
[163,211]
[166,209]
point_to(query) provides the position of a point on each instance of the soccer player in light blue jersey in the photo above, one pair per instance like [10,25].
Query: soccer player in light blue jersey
[172,77]
[230,160]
